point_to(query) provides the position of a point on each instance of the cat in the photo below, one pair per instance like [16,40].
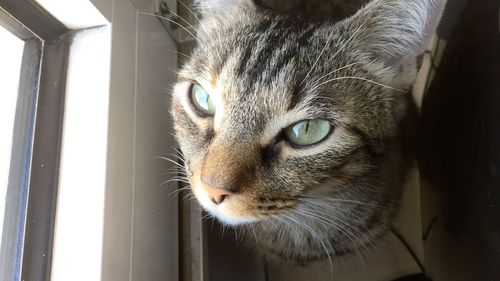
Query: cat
[293,127]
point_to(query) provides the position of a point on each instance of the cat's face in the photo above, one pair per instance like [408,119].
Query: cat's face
[285,122]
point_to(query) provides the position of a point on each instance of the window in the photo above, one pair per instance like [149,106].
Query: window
[90,118]
[11,58]
[32,53]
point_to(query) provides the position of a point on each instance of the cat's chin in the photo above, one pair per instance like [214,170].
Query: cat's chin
[227,219]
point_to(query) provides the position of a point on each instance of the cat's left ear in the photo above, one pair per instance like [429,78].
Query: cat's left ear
[394,29]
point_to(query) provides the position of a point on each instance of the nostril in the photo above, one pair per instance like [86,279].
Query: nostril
[217,195]
[217,199]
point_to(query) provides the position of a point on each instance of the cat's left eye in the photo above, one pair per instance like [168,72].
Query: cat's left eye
[308,132]
[201,100]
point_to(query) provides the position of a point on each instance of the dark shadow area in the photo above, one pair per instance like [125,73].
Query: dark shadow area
[326,9]
[228,258]
[459,137]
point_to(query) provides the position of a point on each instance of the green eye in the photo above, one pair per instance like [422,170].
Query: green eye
[308,132]
[201,100]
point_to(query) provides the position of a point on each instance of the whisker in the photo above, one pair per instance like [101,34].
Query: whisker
[179,177]
[177,157]
[184,20]
[357,78]
[339,50]
[321,242]
[254,234]
[191,11]
[287,224]
[170,160]
[350,38]
[330,73]
[236,235]
[189,193]
[215,18]
[176,192]
[184,180]
[173,180]
[319,215]
[349,213]
[311,215]
[319,56]
[339,221]
[176,23]
[179,53]
[177,172]
[339,208]
[336,200]
[179,151]
[209,7]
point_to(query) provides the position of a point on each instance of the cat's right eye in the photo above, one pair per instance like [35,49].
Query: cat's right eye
[201,100]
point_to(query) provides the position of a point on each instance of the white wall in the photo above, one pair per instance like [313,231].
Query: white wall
[131,213]
[141,219]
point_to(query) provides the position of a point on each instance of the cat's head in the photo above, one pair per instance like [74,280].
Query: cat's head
[283,119]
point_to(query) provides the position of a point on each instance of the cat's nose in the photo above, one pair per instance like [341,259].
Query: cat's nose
[216,194]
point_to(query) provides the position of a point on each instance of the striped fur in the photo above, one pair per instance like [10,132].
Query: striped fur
[269,70]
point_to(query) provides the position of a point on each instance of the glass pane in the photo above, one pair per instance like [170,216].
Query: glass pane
[11,54]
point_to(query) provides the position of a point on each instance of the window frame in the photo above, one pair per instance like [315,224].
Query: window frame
[34,169]
[140,52]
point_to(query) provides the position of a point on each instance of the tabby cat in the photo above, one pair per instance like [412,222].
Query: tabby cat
[292,126]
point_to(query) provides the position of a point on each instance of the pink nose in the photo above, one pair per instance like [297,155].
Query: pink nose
[217,195]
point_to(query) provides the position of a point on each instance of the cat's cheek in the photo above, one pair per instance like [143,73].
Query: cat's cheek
[201,195]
